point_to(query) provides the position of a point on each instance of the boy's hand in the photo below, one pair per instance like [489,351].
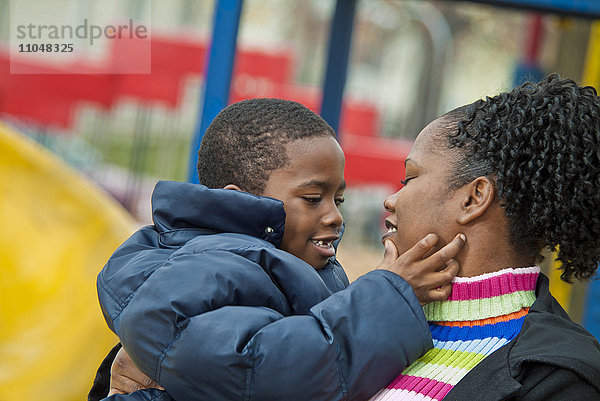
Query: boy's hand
[126,378]
[430,277]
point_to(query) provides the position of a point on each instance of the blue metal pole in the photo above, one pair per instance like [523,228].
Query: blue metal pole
[337,62]
[580,8]
[217,81]
[591,311]
[528,69]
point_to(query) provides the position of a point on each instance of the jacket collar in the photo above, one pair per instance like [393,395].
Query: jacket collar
[180,210]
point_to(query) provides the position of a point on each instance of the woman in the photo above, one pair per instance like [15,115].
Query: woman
[516,173]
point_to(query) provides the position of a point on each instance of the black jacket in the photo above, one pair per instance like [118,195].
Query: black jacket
[552,358]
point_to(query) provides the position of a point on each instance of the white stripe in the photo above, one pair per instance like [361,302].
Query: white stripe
[518,270]
[392,394]
[491,344]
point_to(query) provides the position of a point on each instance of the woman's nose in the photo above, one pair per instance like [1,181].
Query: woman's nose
[390,202]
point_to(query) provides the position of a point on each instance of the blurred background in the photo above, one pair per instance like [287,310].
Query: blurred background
[81,148]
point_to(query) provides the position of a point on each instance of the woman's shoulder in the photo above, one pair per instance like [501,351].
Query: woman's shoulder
[551,383]
[549,339]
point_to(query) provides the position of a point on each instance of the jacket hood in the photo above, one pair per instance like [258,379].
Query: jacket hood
[188,208]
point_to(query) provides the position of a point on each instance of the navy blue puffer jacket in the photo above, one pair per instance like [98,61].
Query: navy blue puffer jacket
[208,306]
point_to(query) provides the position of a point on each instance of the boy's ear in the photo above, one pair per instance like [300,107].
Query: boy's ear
[478,195]
[233,186]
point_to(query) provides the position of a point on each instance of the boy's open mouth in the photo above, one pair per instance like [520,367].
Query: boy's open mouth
[322,243]
[324,246]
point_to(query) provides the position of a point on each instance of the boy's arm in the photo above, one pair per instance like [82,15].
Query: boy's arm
[128,268]
[349,345]
[257,354]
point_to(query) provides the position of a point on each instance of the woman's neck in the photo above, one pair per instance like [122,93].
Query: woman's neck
[489,252]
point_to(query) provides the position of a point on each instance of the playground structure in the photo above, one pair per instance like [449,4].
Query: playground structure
[50,97]
[60,228]
[62,266]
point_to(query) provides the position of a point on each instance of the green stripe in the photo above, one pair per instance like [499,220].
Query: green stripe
[456,359]
[446,374]
[476,309]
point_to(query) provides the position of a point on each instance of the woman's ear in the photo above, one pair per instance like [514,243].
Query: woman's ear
[233,186]
[478,196]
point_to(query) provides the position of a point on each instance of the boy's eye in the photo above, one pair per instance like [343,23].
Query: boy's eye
[339,201]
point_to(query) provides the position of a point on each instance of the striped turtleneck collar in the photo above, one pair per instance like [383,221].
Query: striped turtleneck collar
[482,314]
[486,296]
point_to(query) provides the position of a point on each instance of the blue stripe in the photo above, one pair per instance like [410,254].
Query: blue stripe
[506,330]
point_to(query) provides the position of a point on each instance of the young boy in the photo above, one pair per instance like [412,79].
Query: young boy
[220,300]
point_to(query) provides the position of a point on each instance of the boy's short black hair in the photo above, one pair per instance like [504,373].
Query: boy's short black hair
[246,141]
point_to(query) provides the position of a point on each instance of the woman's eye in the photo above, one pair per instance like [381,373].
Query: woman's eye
[407,179]
[312,199]
[339,201]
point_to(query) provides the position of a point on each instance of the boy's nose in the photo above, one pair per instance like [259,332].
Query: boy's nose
[333,217]
[390,202]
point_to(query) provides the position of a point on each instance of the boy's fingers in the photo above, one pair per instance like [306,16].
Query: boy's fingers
[422,247]
[390,255]
[452,268]
[391,252]
[448,251]
[440,293]
[443,277]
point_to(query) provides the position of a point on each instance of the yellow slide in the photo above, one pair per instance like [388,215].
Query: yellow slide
[58,231]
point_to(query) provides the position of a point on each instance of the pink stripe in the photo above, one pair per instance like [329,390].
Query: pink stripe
[493,287]
[429,387]
[444,391]
[438,390]
[395,382]
[406,382]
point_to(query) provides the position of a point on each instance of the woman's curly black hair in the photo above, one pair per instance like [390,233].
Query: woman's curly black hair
[540,144]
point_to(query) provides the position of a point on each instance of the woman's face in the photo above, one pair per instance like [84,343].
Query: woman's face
[424,204]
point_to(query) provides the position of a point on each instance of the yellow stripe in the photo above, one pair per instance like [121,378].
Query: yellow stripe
[441,373]
[455,359]
[558,288]
[591,70]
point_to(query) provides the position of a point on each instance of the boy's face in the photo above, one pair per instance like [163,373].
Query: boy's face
[311,187]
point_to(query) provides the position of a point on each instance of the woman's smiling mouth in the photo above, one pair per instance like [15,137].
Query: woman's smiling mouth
[391,229]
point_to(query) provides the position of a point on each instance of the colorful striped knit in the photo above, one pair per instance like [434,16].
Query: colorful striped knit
[482,314]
